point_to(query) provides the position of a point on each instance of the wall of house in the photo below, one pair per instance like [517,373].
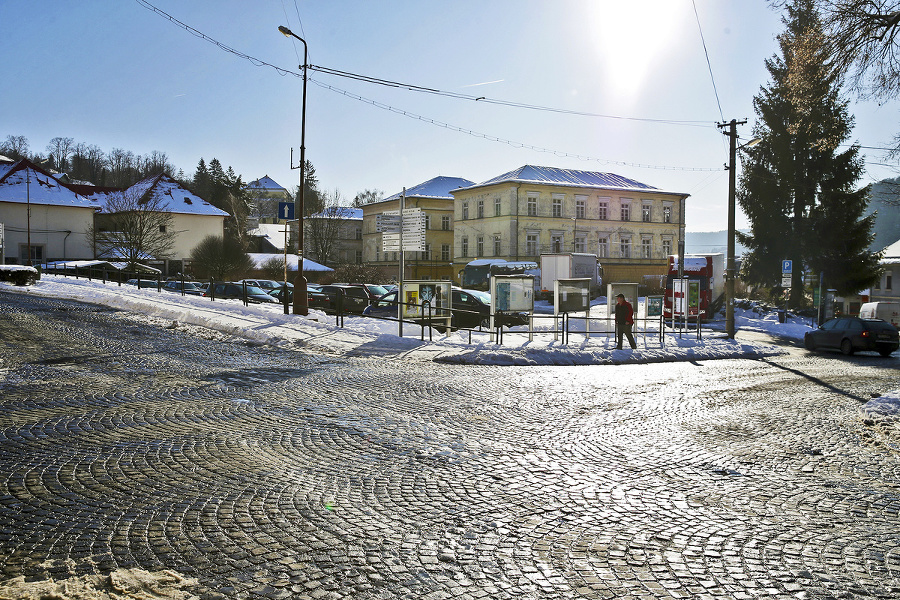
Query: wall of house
[190,231]
[536,219]
[60,231]
[888,289]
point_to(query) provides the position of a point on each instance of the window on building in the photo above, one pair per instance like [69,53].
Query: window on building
[37,253]
[465,211]
[603,247]
[556,242]
[445,252]
[625,214]
[579,208]
[358,233]
[162,228]
[645,213]
[532,206]
[603,212]
[579,244]
[646,247]
[625,248]
[358,257]
[445,222]
[427,221]
[557,207]
[667,247]
[667,214]
[888,280]
[479,246]
[480,210]
[497,208]
[531,244]
[464,246]
[427,254]
[497,249]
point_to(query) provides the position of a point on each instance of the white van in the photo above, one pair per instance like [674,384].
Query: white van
[889,311]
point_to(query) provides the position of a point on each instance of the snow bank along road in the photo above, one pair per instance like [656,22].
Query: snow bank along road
[260,472]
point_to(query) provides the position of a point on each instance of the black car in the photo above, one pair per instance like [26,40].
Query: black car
[315,298]
[239,291]
[470,309]
[190,288]
[849,334]
[354,299]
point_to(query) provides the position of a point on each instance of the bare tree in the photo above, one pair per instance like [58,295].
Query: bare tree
[322,230]
[220,258]
[15,147]
[121,165]
[88,162]
[134,229]
[60,149]
[368,196]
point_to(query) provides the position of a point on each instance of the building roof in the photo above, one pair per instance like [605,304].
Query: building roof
[272,232]
[171,195]
[891,253]
[24,182]
[439,187]
[261,258]
[265,184]
[570,178]
[347,213]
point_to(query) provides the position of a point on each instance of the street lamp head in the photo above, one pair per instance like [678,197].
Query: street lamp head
[751,143]
[285,31]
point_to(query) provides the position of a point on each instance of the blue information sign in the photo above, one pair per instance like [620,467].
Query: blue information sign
[786,267]
[286,210]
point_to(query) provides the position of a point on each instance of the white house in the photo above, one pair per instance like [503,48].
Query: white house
[40,214]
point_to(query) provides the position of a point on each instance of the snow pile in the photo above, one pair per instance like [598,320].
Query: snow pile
[884,409]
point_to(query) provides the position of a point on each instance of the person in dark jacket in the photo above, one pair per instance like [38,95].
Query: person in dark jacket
[624,322]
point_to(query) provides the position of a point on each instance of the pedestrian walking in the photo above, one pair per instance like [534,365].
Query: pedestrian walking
[624,322]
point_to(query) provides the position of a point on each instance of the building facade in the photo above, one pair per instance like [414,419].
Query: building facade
[632,227]
[335,236]
[266,194]
[41,216]
[434,197]
[887,289]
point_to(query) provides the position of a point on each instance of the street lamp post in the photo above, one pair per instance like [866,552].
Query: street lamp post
[301,306]
[730,264]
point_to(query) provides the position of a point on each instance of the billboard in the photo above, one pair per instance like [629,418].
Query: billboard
[512,293]
[420,296]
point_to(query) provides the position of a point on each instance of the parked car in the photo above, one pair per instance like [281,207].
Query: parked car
[374,291]
[470,308]
[266,284]
[355,298]
[142,283]
[190,288]
[849,334]
[315,298]
[233,290]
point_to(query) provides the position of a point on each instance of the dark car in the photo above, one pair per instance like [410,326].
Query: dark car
[266,284]
[374,291]
[143,283]
[315,298]
[190,288]
[239,292]
[354,299]
[849,334]
[470,308]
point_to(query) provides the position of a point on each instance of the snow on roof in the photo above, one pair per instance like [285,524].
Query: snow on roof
[439,187]
[172,196]
[265,183]
[261,258]
[892,253]
[343,212]
[570,178]
[24,182]
[273,232]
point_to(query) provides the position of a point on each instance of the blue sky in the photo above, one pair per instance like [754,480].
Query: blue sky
[116,74]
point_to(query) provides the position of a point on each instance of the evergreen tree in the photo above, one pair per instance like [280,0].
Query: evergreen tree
[796,188]
[201,185]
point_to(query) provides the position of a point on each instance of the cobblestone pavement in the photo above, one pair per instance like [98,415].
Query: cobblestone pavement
[267,473]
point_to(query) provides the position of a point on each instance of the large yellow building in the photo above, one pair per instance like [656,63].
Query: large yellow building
[436,261]
[632,227]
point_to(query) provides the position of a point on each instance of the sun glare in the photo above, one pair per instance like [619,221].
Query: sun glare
[633,38]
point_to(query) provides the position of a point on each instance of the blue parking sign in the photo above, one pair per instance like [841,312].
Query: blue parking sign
[786,267]
[286,210]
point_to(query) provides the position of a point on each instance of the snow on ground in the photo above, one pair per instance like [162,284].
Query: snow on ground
[362,336]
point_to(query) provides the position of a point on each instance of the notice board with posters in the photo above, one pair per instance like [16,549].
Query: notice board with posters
[420,297]
[512,293]
[572,295]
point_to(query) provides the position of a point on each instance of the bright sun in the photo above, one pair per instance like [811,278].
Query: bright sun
[631,38]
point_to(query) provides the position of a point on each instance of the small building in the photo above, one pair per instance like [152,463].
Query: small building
[334,236]
[435,198]
[265,194]
[41,216]
[885,290]
[631,226]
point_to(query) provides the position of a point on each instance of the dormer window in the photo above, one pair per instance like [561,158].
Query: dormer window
[187,200]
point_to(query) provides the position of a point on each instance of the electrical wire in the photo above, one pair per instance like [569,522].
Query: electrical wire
[708,63]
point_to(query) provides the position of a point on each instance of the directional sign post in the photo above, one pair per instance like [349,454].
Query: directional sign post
[286,210]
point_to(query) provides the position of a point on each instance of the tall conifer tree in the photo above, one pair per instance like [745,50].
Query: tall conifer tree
[797,188]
